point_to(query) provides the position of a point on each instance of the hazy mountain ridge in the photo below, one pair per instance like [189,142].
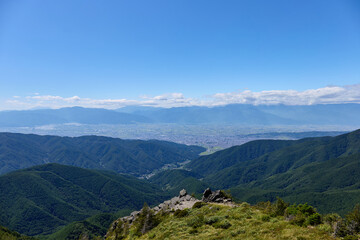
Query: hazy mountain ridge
[256,114]
[40,117]
[330,114]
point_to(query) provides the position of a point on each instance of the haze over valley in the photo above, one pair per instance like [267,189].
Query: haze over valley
[213,128]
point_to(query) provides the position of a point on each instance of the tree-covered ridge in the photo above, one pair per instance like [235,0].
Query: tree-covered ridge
[174,180]
[323,171]
[92,228]
[40,199]
[229,157]
[135,157]
[6,234]
[305,151]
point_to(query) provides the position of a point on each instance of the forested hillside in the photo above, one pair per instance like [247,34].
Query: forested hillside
[174,180]
[6,234]
[322,171]
[135,157]
[37,200]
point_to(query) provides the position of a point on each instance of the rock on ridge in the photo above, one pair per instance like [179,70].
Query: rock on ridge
[217,196]
[180,202]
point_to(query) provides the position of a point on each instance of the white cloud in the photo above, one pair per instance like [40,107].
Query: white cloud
[325,95]
[166,96]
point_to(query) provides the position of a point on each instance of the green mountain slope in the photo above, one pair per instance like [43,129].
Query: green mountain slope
[37,200]
[6,234]
[135,157]
[322,171]
[173,181]
[217,161]
[332,186]
[305,151]
[93,227]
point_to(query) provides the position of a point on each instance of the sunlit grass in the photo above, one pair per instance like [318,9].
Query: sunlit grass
[224,222]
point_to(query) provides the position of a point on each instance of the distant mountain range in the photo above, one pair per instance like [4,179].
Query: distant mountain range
[134,157]
[330,114]
[341,114]
[67,115]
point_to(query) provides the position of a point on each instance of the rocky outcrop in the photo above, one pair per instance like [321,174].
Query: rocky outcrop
[218,196]
[180,202]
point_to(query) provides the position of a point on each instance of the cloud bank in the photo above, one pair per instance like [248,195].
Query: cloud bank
[325,95]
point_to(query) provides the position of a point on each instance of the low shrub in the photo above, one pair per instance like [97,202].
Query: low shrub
[181,213]
[331,218]
[193,231]
[145,221]
[353,219]
[225,224]
[350,237]
[212,220]
[196,221]
[226,194]
[302,215]
[278,209]
[314,219]
[265,218]
[198,205]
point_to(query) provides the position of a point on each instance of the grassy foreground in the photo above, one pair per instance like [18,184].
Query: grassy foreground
[214,221]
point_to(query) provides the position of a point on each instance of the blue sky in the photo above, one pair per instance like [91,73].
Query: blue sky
[140,51]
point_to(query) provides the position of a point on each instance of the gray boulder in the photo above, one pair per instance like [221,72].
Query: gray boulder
[183,193]
[216,196]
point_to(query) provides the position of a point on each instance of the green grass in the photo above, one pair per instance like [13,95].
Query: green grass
[223,222]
